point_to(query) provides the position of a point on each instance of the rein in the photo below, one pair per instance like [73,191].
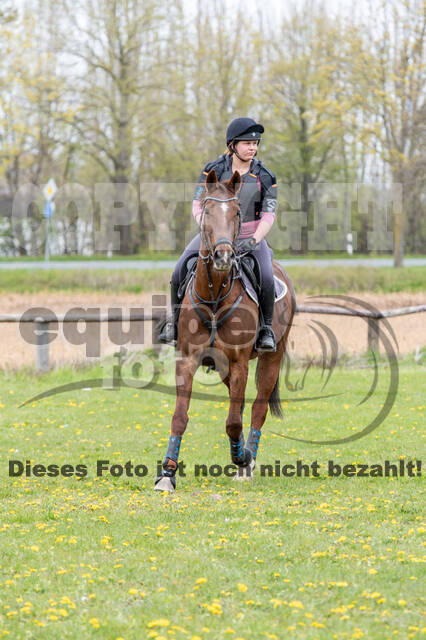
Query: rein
[212,324]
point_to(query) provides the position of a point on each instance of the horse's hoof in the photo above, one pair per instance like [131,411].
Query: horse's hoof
[164,483]
[245,473]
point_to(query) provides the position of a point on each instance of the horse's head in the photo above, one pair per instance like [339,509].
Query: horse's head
[220,220]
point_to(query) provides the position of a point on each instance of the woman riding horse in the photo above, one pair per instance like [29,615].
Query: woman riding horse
[258,198]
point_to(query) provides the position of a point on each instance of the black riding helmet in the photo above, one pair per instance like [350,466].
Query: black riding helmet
[243,129]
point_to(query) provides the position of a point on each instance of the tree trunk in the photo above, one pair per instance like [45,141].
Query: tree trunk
[398,224]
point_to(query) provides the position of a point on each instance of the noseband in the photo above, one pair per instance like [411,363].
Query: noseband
[212,249]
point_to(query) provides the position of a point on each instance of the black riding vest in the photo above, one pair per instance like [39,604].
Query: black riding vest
[258,191]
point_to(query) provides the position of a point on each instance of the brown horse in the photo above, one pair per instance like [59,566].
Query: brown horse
[217,327]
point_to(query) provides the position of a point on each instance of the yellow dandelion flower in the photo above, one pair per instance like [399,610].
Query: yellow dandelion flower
[276,602]
[161,622]
[242,587]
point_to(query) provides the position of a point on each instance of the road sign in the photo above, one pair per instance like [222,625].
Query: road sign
[49,190]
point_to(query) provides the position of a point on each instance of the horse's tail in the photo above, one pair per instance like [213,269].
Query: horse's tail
[274,399]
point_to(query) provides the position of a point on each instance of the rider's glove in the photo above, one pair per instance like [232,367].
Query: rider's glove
[248,244]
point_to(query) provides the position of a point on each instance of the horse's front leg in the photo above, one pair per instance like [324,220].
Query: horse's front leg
[236,382]
[185,370]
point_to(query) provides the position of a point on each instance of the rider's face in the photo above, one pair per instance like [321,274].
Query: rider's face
[246,149]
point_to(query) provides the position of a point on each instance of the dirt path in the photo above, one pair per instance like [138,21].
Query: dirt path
[351,333]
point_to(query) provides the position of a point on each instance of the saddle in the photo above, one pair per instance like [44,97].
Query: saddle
[248,272]
[252,279]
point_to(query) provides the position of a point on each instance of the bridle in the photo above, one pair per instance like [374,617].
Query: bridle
[212,323]
[211,250]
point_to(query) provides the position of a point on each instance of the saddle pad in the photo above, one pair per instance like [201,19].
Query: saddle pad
[280,288]
[280,285]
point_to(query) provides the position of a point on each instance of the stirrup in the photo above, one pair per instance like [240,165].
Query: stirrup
[266,339]
[169,333]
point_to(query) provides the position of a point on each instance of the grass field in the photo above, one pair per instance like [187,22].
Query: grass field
[303,557]
[307,279]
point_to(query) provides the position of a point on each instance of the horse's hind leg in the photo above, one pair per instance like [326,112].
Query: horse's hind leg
[267,375]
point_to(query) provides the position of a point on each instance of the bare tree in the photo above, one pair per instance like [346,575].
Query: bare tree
[391,73]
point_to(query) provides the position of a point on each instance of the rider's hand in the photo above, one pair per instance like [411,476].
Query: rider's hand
[247,244]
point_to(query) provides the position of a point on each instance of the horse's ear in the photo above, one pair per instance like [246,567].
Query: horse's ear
[211,181]
[234,182]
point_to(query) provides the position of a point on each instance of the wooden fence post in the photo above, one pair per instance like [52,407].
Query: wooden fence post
[373,334]
[42,346]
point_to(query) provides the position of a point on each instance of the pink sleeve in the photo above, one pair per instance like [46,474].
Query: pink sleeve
[268,216]
[196,210]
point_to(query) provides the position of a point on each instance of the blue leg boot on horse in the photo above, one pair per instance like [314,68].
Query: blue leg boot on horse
[243,454]
[167,481]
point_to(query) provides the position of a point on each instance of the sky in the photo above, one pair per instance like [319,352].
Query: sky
[277,9]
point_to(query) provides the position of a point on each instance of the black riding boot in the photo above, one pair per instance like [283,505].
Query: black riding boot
[169,333]
[266,337]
